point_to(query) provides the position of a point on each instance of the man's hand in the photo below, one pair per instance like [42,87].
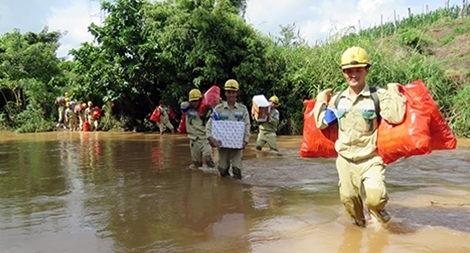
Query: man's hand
[393,87]
[328,92]
[244,144]
[212,142]
[324,95]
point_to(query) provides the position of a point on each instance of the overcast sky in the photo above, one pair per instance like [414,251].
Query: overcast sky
[316,19]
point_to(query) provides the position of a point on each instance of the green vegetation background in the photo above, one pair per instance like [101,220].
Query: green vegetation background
[145,52]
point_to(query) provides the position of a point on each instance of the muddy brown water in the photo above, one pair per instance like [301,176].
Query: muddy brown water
[133,192]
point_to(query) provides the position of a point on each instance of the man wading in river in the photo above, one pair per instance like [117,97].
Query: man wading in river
[361,170]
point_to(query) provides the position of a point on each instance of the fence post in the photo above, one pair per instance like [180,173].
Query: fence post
[463,11]
[395,20]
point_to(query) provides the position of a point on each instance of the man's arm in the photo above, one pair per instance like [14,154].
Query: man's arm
[392,104]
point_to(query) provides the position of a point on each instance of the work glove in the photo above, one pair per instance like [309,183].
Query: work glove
[184,107]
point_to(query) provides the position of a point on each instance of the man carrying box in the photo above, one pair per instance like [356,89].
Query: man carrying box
[268,129]
[230,111]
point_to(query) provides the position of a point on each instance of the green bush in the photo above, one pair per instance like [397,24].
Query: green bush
[446,40]
[459,30]
[460,119]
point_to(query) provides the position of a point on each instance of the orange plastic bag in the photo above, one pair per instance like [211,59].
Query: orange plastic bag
[411,137]
[316,142]
[442,136]
[171,113]
[156,114]
[210,99]
[182,125]
[212,96]
[86,126]
[96,112]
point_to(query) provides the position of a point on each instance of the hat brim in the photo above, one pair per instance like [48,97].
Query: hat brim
[350,66]
[194,99]
[232,89]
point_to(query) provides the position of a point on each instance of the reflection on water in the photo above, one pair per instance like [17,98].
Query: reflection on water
[132,192]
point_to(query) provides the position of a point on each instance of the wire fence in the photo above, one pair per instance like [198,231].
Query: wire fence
[415,20]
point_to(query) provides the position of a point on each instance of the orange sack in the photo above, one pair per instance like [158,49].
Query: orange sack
[182,125]
[442,136]
[412,136]
[212,96]
[316,142]
[156,114]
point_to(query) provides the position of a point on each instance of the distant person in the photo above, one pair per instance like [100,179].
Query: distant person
[80,110]
[164,118]
[90,116]
[196,120]
[232,111]
[60,102]
[360,169]
[71,116]
[268,129]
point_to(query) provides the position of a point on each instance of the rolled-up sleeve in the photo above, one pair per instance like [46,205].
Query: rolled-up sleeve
[209,128]
[319,109]
[392,106]
[246,116]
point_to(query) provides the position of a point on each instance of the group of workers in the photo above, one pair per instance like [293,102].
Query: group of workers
[199,128]
[77,116]
[360,169]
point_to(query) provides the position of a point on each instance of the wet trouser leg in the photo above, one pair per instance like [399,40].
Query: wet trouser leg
[61,111]
[267,137]
[237,163]
[82,119]
[199,146]
[235,157]
[91,120]
[224,162]
[368,176]
[161,127]
[260,141]
[95,124]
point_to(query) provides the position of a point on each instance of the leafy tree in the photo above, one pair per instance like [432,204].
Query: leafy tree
[28,68]
[147,52]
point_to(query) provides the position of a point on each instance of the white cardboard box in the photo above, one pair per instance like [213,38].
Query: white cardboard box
[260,108]
[230,133]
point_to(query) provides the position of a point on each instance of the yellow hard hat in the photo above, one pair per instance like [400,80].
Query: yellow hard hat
[354,57]
[66,94]
[274,99]
[83,105]
[231,84]
[67,104]
[90,104]
[195,95]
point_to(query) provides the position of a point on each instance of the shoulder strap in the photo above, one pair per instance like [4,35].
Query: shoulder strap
[375,98]
[337,99]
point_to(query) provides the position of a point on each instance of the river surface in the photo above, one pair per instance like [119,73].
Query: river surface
[133,192]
